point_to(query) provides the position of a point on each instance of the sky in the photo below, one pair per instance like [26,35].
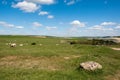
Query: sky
[60,17]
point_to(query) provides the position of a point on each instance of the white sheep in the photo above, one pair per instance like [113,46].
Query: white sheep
[20,44]
[40,44]
[57,44]
[13,44]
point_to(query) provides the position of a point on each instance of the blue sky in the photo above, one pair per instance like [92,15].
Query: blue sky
[60,17]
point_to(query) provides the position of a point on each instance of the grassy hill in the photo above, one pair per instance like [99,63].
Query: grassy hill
[49,59]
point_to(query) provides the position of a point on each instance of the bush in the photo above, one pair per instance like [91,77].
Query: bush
[33,43]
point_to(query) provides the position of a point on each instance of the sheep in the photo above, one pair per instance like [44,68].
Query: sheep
[57,44]
[40,44]
[13,45]
[20,44]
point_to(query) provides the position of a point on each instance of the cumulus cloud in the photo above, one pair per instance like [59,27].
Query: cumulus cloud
[99,27]
[96,27]
[103,27]
[51,28]
[43,13]
[76,27]
[77,23]
[110,29]
[19,27]
[70,2]
[50,16]
[42,1]
[26,6]
[5,24]
[108,24]
[37,24]
[117,27]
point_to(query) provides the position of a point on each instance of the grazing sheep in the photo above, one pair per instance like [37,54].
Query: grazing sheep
[40,44]
[20,44]
[13,45]
[57,44]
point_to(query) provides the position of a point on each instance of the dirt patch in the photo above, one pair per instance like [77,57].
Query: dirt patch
[28,62]
[9,58]
[117,39]
[116,48]
[50,63]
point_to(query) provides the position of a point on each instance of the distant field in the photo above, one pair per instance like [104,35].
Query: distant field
[54,58]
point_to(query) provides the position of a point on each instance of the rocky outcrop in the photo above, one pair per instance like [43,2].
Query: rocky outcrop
[90,65]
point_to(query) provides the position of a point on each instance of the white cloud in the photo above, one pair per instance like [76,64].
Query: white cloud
[96,27]
[99,27]
[77,23]
[4,24]
[26,6]
[19,27]
[42,1]
[75,29]
[51,28]
[50,16]
[43,13]
[108,24]
[36,24]
[103,28]
[110,29]
[117,27]
[71,2]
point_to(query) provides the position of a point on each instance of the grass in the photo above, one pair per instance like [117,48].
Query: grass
[55,62]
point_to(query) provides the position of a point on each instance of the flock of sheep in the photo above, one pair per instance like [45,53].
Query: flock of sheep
[16,44]
[13,44]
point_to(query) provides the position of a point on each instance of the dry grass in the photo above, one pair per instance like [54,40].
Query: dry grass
[113,77]
[28,62]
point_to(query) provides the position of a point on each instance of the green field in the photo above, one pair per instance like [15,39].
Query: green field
[50,59]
